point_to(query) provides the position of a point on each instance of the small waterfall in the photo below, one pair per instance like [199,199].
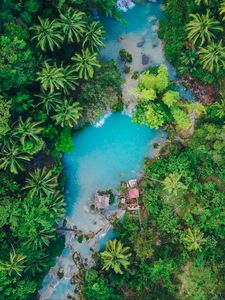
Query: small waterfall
[101,122]
[124,5]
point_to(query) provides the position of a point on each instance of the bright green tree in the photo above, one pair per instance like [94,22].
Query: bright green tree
[194,239]
[220,108]
[202,28]
[170,98]
[47,34]
[67,114]
[70,79]
[41,182]
[14,265]
[73,24]
[172,184]
[115,256]
[49,100]
[12,158]
[51,77]
[94,35]
[85,63]
[27,130]
[212,57]
[222,10]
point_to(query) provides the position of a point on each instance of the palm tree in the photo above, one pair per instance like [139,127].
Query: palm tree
[189,61]
[194,239]
[42,238]
[70,78]
[49,100]
[56,205]
[115,256]
[67,114]
[206,2]
[73,24]
[41,183]
[12,158]
[222,10]
[220,107]
[93,38]
[202,28]
[28,130]
[212,57]
[47,34]
[51,77]
[85,63]
[172,184]
[15,264]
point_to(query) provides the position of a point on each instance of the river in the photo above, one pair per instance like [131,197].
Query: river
[114,150]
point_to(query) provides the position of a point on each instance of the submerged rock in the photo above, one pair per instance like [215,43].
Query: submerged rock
[141,44]
[145,59]
[152,19]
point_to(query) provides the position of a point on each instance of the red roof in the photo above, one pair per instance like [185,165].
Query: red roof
[133,193]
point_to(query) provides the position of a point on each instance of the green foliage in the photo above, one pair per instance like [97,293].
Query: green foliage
[201,28]
[4,116]
[73,24]
[115,256]
[41,183]
[47,34]
[212,57]
[17,63]
[125,56]
[158,104]
[67,113]
[93,37]
[85,63]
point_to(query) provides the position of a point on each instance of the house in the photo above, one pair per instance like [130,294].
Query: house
[132,195]
[101,200]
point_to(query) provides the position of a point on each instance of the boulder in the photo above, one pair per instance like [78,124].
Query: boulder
[145,59]
[140,44]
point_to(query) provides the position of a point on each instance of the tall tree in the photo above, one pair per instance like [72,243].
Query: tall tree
[47,34]
[212,57]
[15,264]
[94,35]
[41,183]
[12,158]
[202,28]
[49,100]
[194,239]
[85,63]
[67,114]
[73,24]
[222,10]
[115,256]
[27,130]
[51,77]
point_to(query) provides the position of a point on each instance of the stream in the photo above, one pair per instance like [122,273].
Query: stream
[109,152]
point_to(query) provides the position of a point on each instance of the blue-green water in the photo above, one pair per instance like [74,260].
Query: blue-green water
[101,158]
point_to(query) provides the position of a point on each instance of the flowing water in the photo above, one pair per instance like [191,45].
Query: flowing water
[111,151]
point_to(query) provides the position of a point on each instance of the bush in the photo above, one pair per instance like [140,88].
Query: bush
[125,56]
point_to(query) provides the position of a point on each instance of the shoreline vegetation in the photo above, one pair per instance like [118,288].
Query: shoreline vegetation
[52,83]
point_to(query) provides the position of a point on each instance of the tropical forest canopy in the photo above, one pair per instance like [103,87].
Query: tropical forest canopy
[52,83]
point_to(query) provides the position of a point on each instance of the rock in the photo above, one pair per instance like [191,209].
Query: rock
[140,44]
[155,42]
[153,1]
[155,28]
[152,19]
[145,59]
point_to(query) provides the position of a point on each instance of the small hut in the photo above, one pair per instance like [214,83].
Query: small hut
[132,198]
[101,200]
